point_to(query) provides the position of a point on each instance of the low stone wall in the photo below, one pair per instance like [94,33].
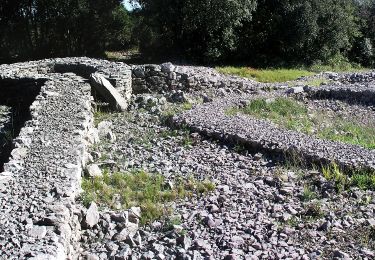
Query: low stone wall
[353,77]
[167,77]
[40,183]
[260,135]
[363,94]
[118,73]
[39,218]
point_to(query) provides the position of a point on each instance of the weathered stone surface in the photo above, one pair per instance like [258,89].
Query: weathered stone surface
[93,170]
[92,215]
[38,232]
[36,183]
[108,92]
[212,120]
[238,220]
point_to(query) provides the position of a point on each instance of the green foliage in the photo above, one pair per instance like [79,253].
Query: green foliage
[358,178]
[308,194]
[337,63]
[333,173]
[349,132]
[300,32]
[35,29]
[293,115]
[198,28]
[265,75]
[151,192]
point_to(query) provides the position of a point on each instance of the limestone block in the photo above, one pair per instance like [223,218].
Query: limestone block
[108,92]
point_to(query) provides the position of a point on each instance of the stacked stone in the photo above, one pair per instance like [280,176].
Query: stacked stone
[167,77]
[260,135]
[353,93]
[118,73]
[354,77]
[38,217]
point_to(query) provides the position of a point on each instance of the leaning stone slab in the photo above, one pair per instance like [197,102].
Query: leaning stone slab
[108,92]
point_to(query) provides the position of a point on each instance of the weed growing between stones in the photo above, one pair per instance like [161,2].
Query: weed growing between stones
[174,109]
[343,179]
[358,178]
[152,192]
[308,194]
[295,116]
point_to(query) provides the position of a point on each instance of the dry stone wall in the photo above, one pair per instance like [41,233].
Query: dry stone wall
[167,77]
[39,218]
[212,119]
[5,128]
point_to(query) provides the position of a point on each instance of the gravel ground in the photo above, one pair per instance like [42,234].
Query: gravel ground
[213,120]
[260,209]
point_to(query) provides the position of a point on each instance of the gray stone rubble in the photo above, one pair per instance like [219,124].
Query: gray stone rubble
[39,218]
[212,120]
[259,209]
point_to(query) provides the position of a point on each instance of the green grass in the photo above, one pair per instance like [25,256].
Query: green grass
[358,178]
[270,75]
[294,115]
[151,192]
[308,194]
[311,83]
[266,75]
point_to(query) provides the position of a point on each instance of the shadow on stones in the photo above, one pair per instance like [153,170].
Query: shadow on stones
[18,95]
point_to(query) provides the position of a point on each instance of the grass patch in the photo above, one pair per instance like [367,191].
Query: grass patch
[308,194]
[337,63]
[311,83]
[362,179]
[151,192]
[266,75]
[294,115]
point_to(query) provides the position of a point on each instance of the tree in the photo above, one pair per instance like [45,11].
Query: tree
[200,29]
[48,28]
[293,31]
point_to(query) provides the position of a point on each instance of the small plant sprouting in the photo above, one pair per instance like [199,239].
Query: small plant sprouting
[308,194]
[314,210]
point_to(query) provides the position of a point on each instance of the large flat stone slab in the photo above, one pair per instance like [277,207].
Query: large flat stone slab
[108,92]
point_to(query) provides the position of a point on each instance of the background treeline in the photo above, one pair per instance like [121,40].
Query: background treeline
[31,29]
[256,32]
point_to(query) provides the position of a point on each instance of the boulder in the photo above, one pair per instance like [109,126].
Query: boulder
[105,131]
[108,92]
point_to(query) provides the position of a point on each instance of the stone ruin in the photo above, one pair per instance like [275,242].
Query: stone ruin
[46,107]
